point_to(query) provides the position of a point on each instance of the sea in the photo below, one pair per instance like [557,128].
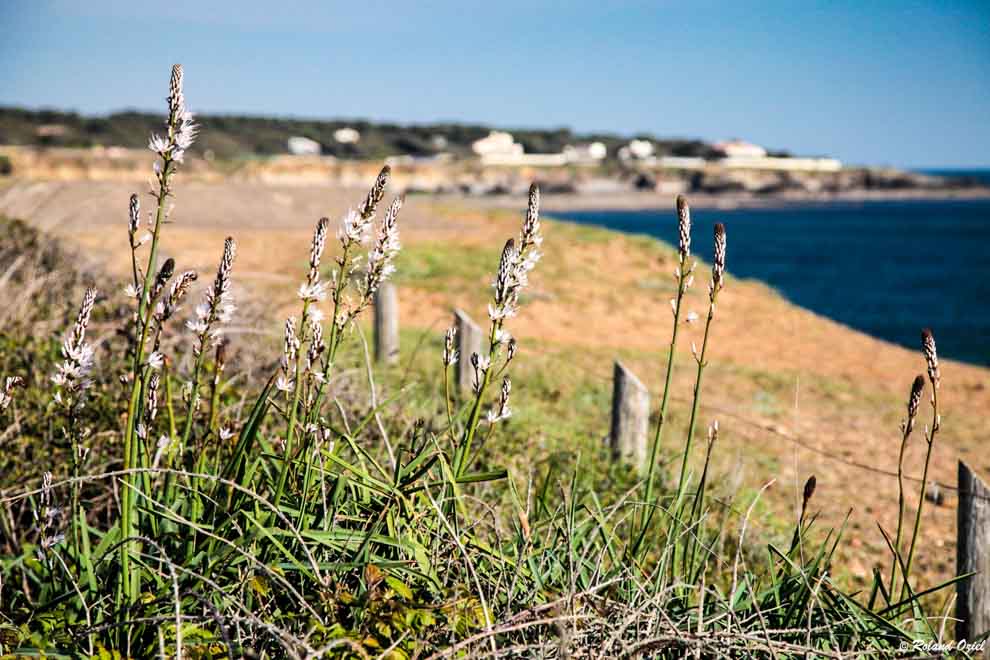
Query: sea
[887,268]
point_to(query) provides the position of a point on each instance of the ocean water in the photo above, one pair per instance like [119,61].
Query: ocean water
[978,176]
[886,268]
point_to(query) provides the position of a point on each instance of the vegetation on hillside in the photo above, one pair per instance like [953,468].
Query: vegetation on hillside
[232,136]
[160,501]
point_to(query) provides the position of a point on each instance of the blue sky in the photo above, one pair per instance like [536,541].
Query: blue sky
[902,83]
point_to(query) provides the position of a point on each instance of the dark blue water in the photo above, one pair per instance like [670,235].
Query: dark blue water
[981,177]
[886,268]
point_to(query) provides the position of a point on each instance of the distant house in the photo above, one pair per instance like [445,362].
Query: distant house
[739,149]
[303,146]
[347,135]
[637,150]
[682,162]
[585,154]
[51,130]
[771,163]
[500,148]
[497,143]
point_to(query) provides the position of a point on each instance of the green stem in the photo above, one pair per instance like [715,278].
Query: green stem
[465,449]
[334,339]
[696,402]
[447,402]
[215,398]
[169,408]
[924,483]
[144,317]
[900,509]
[654,450]
[293,409]
[193,396]
[697,507]
[126,530]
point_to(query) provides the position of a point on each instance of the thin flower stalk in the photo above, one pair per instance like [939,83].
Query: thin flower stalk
[291,380]
[796,538]
[716,285]
[718,272]
[354,229]
[167,307]
[684,277]
[219,364]
[211,315]
[180,133]
[511,278]
[914,401]
[133,226]
[72,379]
[934,377]
[697,506]
[450,357]
[170,150]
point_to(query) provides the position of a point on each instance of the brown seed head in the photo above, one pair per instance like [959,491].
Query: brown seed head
[684,226]
[718,262]
[531,226]
[376,193]
[221,283]
[221,355]
[164,275]
[809,490]
[506,268]
[914,400]
[134,219]
[82,319]
[175,295]
[931,356]
[316,250]
[175,99]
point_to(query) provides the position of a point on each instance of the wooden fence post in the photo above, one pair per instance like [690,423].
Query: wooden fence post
[468,342]
[972,556]
[387,324]
[630,416]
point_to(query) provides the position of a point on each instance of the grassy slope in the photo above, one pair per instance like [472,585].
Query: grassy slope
[779,375]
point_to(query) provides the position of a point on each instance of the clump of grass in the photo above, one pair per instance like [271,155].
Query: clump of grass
[312,521]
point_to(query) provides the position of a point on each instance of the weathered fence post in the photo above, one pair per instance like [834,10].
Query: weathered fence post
[972,556]
[387,324]
[468,342]
[630,416]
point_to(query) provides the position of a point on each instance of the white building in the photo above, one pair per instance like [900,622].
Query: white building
[637,150]
[500,148]
[739,149]
[586,154]
[497,143]
[303,146]
[682,163]
[781,164]
[347,136]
